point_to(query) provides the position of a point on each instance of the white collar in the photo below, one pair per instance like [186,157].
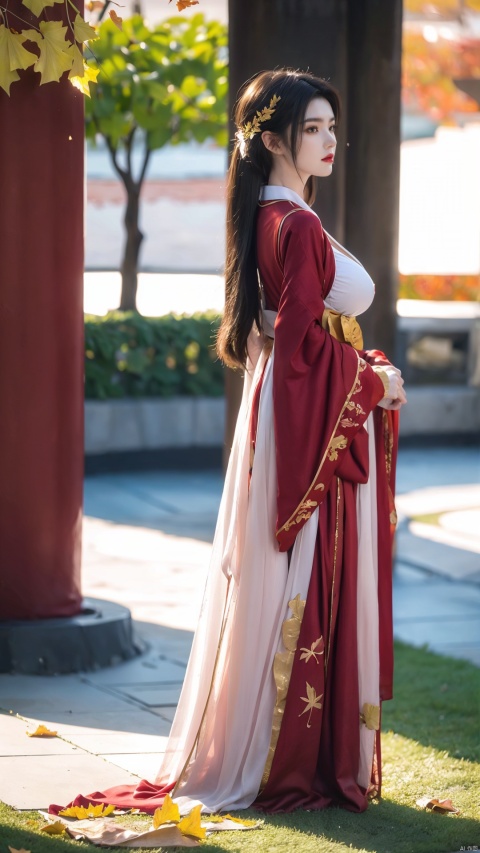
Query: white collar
[273,193]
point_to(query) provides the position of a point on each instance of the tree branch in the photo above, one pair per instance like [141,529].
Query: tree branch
[124,175]
[144,168]
[128,147]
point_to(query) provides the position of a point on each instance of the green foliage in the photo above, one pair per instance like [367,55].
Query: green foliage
[168,81]
[127,355]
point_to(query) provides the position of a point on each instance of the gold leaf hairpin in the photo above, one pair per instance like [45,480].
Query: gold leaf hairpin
[253,127]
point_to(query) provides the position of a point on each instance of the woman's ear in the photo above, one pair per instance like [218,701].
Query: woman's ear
[272,142]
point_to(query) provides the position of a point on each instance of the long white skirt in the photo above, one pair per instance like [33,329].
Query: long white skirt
[220,736]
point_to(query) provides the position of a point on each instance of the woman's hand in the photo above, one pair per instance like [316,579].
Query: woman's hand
[395,396]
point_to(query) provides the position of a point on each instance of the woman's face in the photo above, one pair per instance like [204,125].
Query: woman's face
[316,140]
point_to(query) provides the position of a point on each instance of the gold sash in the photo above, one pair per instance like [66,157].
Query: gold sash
[343,328]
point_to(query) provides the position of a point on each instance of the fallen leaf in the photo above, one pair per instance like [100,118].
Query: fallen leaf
[191,826]
[440,806]
[42,731]
[116,19]
[14,850]
[184,4]
[168,813]
[56,828]
[82,813]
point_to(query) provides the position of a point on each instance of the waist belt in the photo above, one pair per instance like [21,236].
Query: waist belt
[340,326]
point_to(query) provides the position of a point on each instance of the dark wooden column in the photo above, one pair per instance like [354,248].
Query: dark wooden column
[373,158]
[41,346]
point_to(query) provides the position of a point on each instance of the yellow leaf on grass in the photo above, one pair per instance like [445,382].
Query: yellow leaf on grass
[42,731]
[190,825]
[82,81]
[14,850]
[57,828]
[168,813]
[117,20]
[82,813]
[83,31]
[37,6]
[56,54]
[441,806]
[243,821]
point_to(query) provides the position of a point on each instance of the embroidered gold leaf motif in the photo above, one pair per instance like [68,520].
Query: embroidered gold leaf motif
[313,701]
[370,716]
[168,813]
[348,422]
[355,406]
[393,517]
[311,653]
[338,443]
[320,486]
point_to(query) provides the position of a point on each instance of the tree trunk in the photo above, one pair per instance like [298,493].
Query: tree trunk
[133,241]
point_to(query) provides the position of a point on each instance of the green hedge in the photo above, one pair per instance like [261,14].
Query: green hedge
[128,355]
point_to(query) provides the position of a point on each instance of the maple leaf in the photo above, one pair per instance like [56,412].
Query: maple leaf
[116,19]
[309,653]
[168,813]
[56,828]
[82,813]
[56,54]
[12,56]
[190,825]
[42,731]
[313,701]
[82,81]
[37,6]
[83,31]
[441,806]
[78,63]
[185,4]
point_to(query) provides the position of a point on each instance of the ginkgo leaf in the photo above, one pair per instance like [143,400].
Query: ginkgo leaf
[190,825]
[168,813]
[82,813]
[313,701]
[42,731]
[441,806]
[56,828]
[82,81]
[117,20]
[311,653]
[56,54]
[370,716]
[83,31]
[37,6]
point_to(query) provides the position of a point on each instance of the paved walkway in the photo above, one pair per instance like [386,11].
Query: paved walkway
[146,545]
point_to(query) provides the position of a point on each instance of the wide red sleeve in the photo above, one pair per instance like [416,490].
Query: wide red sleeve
[323,391]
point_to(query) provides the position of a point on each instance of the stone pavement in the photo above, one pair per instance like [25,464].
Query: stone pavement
[147,544]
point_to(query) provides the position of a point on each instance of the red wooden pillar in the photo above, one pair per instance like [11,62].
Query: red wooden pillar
[41,346]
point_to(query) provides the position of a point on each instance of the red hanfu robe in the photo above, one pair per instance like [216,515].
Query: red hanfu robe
[323,391]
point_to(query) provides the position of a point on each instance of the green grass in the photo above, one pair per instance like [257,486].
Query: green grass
[430,747]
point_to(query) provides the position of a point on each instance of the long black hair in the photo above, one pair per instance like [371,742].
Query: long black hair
[250,167]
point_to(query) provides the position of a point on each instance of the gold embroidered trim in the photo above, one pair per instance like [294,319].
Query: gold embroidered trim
[354,390]
[279,232]
[385,380]
[335,550]
[282,670]
[370,716]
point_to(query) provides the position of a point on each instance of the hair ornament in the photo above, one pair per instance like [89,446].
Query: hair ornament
[252,127]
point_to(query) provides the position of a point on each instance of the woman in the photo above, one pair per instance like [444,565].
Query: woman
[292,655]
